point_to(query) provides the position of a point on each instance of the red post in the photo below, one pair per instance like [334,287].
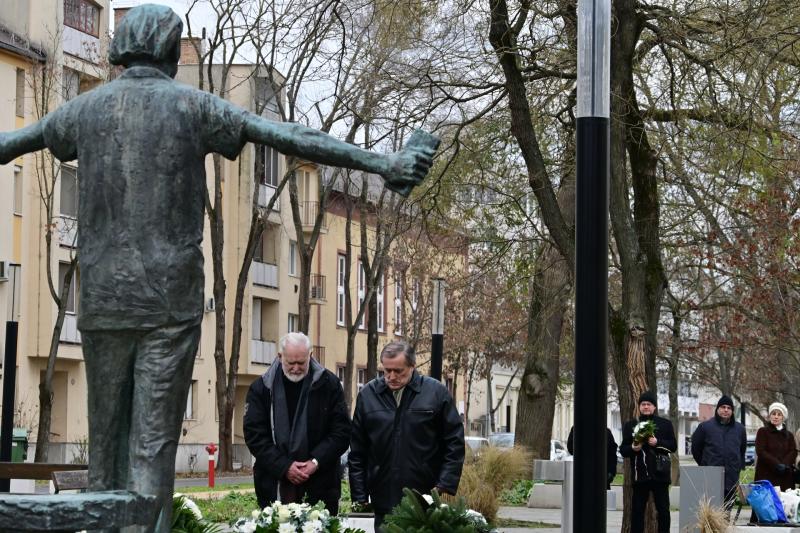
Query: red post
[211,449]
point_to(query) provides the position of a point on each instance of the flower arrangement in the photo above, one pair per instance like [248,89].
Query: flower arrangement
[420,513]
[187,518]
[292,518]
[643,431]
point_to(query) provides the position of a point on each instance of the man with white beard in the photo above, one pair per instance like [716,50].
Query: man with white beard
[296,426]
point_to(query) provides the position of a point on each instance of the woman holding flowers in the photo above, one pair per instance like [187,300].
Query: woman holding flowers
[643,441]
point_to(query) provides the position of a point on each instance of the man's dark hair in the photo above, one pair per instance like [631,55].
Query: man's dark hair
[395,348]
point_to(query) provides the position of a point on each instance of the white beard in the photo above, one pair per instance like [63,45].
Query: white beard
[294,378]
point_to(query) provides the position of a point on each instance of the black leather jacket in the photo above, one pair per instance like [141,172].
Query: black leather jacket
[419,445]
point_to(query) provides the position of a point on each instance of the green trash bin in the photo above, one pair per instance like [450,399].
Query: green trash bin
[19,445]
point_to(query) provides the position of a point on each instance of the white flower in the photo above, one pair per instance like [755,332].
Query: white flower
[245,527]
[314,515]
[189,504]
[312,526]
[255,514]
[283,514]
[286,528]
[428,498]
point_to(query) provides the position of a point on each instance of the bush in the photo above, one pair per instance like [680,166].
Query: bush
[518,494]
[486,476]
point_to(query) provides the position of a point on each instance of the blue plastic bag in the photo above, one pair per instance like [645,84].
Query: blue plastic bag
[766,503]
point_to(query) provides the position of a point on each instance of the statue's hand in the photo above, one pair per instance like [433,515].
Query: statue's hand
[409,166]
[5,157]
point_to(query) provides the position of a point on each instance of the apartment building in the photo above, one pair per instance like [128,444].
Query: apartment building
[60,45]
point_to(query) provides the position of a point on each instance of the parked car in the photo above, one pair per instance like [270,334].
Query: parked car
[750,452]
[476,444]
[558,452]
[502,440]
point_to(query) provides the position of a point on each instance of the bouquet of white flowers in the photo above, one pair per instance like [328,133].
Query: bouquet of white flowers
[643,431]
[292,518]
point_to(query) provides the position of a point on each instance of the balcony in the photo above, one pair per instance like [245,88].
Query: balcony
[82,45]
[316,289]
[69,330]
[318,353]
[265,194]
[262,352]
[264,274]
[308,216]
[67,231]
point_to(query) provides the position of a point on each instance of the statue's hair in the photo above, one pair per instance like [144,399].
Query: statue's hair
[148,33]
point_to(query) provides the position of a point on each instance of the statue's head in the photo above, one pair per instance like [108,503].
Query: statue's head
[150,35]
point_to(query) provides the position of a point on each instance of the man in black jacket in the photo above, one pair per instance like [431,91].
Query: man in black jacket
[647,477]
[611,454]
[722,441]
[406,434]
[296,426]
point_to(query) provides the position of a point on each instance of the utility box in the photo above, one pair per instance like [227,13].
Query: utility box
[19,445]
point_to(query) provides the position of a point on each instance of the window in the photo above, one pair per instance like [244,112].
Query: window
[82,15]
[189,413]
[20,97]
[71,81]
[63,268]
[266,165]
[257,319]
[381,310]
[69,191]
[294,323]
[450,384]
[398,305]
[340,372]
[340,266]
[265,95]
[17,190]
[362,378]
[292,258]
[414,295]
[361,293]
[380,373]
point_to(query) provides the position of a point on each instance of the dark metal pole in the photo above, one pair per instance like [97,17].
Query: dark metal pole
[591,267]
[744,410]
[437,348]
[9,383]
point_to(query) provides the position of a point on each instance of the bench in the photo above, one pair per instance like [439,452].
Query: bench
[63,476]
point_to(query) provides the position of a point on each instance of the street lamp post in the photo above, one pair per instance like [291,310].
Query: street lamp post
[437,327]
[9,376]
[591,260]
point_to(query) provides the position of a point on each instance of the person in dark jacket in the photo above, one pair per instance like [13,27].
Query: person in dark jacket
[722,441]
[611,454]
[776,450]
[406,433]
[296,426]
[646,478]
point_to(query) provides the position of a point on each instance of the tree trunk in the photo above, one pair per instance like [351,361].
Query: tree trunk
[674,412]
[372,336]
[46,385]
[539,387]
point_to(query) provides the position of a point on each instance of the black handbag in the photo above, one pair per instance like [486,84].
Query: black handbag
[663,463]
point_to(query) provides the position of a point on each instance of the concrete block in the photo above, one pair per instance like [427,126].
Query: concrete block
[545,496]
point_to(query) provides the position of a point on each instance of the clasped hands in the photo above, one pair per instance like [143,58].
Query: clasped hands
[300,471]
[652,441]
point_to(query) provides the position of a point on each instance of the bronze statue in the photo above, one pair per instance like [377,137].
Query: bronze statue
[141,141]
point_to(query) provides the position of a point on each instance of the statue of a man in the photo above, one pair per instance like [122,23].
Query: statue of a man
[141,141]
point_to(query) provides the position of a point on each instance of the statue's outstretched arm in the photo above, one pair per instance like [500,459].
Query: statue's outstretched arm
[402,170]
[16,143]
